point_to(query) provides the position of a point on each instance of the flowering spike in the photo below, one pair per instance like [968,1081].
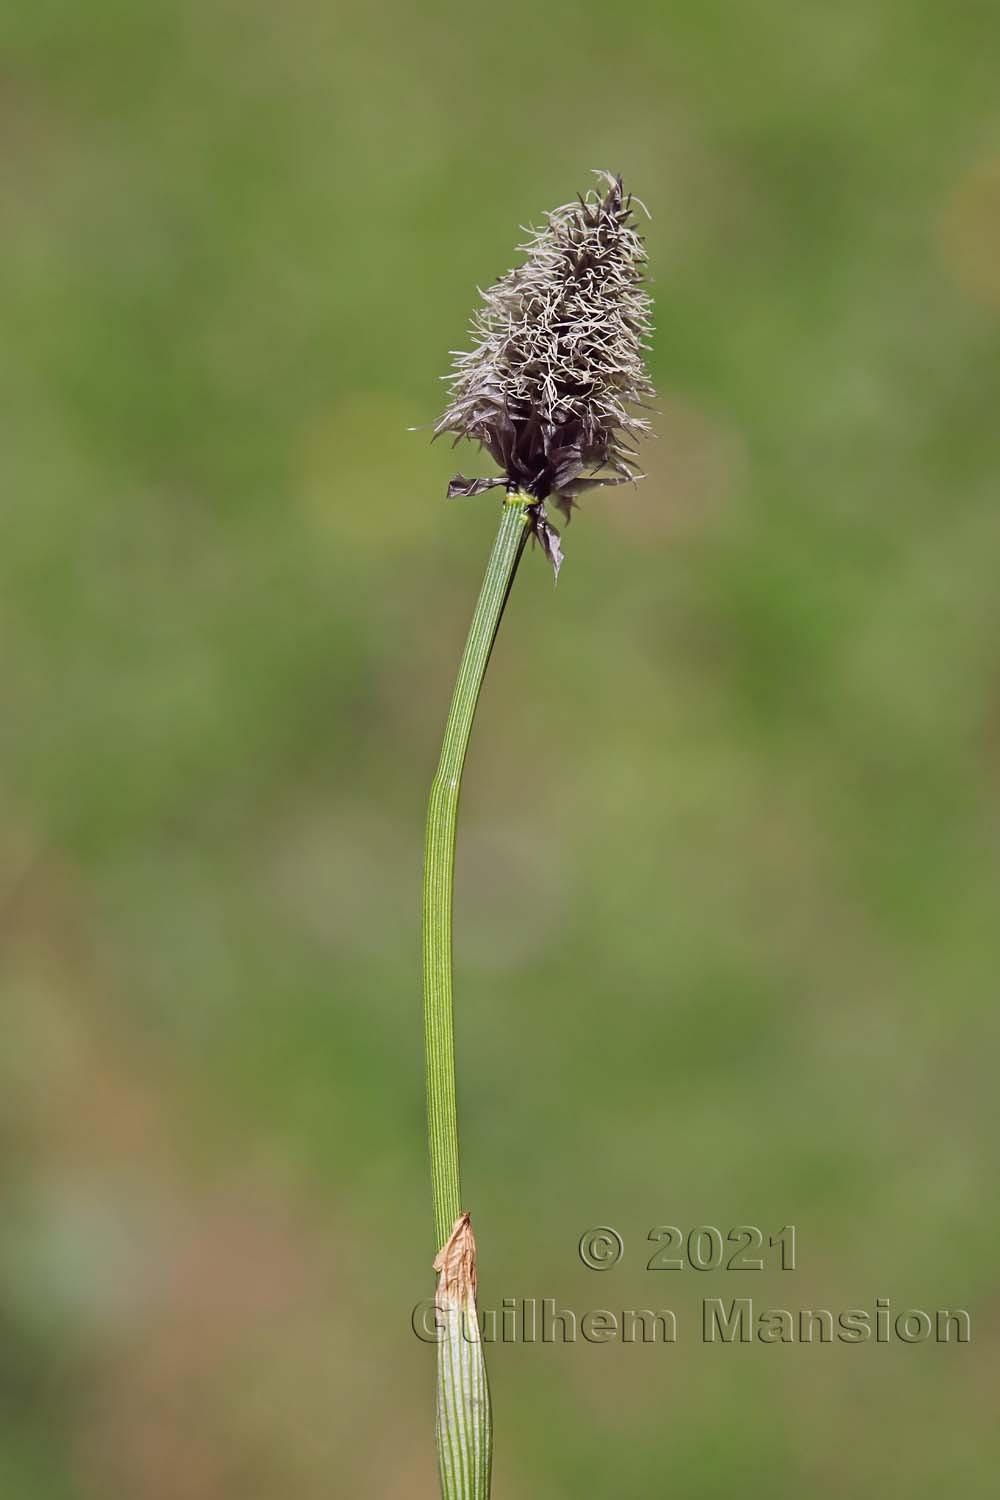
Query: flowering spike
[557,365]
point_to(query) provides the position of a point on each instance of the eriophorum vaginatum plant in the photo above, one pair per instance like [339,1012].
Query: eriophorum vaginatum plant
[552,390]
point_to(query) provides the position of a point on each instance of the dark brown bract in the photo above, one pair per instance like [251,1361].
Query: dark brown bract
[551,385]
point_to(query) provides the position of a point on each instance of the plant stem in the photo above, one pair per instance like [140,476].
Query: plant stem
[439,868]
[464,1436]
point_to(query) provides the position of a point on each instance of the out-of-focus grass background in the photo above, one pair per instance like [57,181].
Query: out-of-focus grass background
[727,923]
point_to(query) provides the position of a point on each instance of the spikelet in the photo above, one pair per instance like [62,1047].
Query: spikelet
[551,386]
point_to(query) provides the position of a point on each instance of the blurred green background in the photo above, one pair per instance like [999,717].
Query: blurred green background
[727,924]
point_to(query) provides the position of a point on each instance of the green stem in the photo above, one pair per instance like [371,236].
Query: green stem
[439,867]
[464,1423]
